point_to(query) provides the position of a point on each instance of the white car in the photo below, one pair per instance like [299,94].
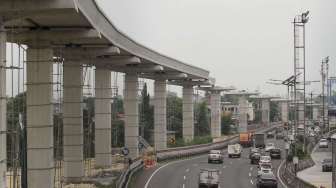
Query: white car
[265,168]
[269,146]
[215,156]
[265,159]
[323,143]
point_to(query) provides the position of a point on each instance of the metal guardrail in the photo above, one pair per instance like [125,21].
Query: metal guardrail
[125,177]
[288,176]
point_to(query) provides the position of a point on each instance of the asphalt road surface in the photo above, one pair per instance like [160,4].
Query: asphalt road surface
[234,172]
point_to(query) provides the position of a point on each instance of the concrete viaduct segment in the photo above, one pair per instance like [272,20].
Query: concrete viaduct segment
[243,107]
[264,106]
[78,33]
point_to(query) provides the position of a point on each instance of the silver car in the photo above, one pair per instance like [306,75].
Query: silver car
[215,156]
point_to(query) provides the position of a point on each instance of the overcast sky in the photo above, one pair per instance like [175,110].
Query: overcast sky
[241,42]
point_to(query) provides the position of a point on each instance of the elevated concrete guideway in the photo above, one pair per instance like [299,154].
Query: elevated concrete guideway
[78,33]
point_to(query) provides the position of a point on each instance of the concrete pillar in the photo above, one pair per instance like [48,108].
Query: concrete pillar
[284,111]
[243,109]
[40,146]
[3,106]
[265,111]
[215,114]
[301,114]
[315,113]
[160,118]
[131,108]
[73,122]
[103,147]
[188,113]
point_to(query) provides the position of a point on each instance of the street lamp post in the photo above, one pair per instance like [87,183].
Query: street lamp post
[333,138]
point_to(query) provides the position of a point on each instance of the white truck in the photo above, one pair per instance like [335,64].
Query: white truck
[234,150]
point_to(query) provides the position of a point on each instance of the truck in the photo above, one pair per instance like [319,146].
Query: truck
[246,139]
[234,150]
[259,140]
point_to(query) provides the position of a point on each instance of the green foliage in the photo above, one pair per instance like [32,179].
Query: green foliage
[146,114]
[226,123]
[274,111]
[202,119]
[196,141]
[117,125]
[174,115]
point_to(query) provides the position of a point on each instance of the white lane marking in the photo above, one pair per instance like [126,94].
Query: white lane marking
[224,166]
[184,177]
[195,164]
[187,170]
[183,186]
[150,178]
[251,182]
[251,168]
[250,174]
[230,162]
[278,174]
[220,172]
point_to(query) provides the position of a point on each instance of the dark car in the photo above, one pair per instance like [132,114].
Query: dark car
[266,180]
[275,153]
[327,165]
[255,158]
[279,135]
[270,135]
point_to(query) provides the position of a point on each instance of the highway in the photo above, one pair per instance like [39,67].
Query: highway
[234,172]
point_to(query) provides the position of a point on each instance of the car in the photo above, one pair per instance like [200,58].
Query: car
[327,165]
[275,153]
[269,146]
[270,135]
[265,159]
[253,150]
[255,158]
[265,168]
[215,156]
[266,180]
[208,178]
[234,150]
[279,135]
[323,143]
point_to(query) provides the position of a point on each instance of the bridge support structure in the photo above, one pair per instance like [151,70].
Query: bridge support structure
[188,113]
[103,93]
[131,108]
[160,119]
[40,146]
[73,122]
[3,107]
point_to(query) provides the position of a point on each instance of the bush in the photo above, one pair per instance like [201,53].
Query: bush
[196,141]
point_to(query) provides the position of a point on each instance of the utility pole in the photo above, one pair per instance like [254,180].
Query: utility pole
[324,74]
[300,70]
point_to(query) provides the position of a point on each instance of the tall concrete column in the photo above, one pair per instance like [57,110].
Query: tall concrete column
[243,108]
[103,147]
[73,122]
[284,111]
[40,146]
[215,114]
[315,113]
[265,111]
[160,119]
[188,113]
[3,106]
[131,114]
[301,113]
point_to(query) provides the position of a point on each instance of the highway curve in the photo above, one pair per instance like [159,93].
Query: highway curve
[234,173]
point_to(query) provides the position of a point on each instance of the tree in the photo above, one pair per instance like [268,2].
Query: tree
[202,119]
[117,125]
[274,111]
[226,123]
[146,115]
[174,115]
